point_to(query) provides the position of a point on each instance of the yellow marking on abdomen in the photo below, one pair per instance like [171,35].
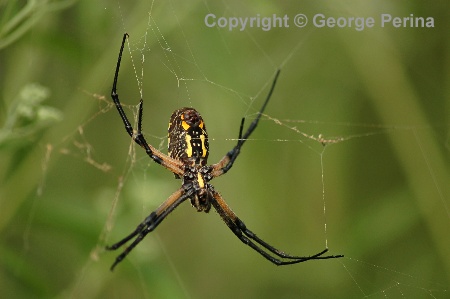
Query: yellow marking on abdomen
[185,125]
[204,149]
[188,146]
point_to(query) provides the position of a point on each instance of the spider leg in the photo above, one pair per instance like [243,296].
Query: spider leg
[169,163]
[227,162]
[246,236]
[114,94]
[150,223]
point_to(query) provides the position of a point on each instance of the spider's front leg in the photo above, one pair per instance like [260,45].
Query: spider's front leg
[228,160]
[115,95]
[138,138]
[173,165]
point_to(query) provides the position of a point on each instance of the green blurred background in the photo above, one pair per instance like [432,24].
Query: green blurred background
[70,182]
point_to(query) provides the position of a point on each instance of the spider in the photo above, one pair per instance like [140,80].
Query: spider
[188,153]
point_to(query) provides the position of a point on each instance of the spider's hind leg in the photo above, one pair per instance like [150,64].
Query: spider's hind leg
[247,237]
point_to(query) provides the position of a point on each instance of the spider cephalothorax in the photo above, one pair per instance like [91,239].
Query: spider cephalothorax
[187,160]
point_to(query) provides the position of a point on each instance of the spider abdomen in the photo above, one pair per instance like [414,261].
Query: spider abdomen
[187,137]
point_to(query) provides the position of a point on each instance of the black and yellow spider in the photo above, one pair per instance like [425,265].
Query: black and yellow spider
[188,154]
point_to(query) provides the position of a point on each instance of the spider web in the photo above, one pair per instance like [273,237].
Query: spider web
[347,156]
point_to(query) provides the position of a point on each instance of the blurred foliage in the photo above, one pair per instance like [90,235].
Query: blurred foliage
[19,17]
[27,116]
[70,181]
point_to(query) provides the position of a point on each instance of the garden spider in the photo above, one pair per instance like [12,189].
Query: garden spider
[188,154]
